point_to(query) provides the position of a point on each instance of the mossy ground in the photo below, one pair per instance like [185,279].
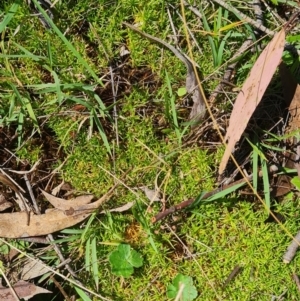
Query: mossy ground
[221,235]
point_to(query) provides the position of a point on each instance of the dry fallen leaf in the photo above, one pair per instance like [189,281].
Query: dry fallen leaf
[252,93]
[14,225]
[23,289]
[32,269]
[63,204]
[153,195]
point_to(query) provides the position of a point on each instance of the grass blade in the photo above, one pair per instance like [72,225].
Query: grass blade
[67,43]
[82,294]
[101,130]
[95,262]
[266,182]
[88,255]
[11,12]
[224,192]
[255,169]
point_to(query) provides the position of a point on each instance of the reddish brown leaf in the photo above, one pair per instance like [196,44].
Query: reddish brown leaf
[252,93]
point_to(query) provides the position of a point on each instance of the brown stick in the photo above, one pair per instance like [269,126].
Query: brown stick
[57,284]
[237,269]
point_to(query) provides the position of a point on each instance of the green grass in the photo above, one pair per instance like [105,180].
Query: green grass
[45,74]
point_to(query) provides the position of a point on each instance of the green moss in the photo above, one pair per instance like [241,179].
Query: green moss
[147,149]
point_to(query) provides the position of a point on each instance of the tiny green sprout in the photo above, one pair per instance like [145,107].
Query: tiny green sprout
[181,91]
[296,182]
[124,259]
[184,286]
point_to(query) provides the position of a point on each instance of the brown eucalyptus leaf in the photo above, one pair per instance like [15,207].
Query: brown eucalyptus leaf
[14,225]
[252,93]
[63,204]
[23,289]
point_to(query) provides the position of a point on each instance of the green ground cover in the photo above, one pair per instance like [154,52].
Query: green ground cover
[57,82]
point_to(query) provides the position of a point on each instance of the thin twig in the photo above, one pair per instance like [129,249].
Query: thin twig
[36,208]
[196,262]
[138,297]
[6,180]
[173,27]
[33,168]
[180,292]
[190,33]
[194,10]
[57,284]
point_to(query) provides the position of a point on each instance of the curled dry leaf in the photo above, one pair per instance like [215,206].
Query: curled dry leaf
[252,93]
[63,204]
[23,289]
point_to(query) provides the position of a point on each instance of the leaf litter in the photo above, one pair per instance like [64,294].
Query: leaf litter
[24,290]
[14,225]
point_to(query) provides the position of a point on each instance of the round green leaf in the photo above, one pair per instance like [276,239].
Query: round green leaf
[181,91]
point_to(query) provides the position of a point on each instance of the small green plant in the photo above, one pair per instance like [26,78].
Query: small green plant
[296,182]
[258,153]
[171,111]
[124,259]
[216,40]
[183,286]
